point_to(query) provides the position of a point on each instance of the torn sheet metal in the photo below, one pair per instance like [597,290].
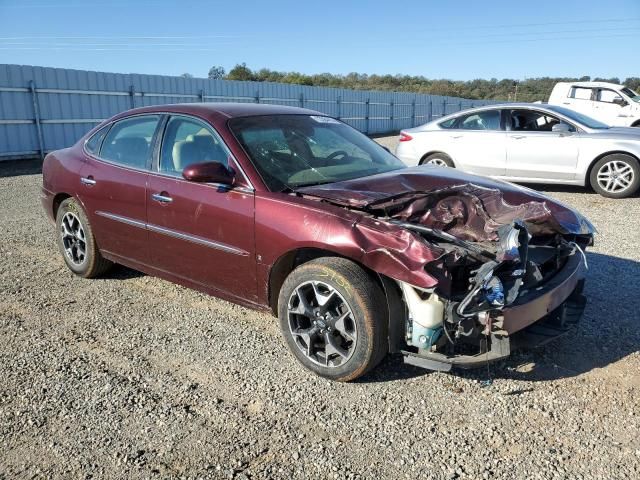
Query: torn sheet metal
[466,206]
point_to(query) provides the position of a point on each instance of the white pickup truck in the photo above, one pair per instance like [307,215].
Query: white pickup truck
[615,105]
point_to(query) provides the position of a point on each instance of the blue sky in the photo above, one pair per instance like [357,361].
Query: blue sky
[438,39]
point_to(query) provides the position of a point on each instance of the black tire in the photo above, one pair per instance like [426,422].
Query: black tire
[89,264]
[625,163]
[439,159]
[366,322]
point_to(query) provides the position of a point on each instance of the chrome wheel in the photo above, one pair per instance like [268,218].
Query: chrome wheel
[73,238]
[438,162]
[322,324]
[615,176]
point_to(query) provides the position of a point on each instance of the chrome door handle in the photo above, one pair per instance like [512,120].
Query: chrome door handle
[159,197]
[517,137]
[87,181]
[456,136]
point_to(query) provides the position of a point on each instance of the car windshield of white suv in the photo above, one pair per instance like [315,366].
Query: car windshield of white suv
[579,117]
[294,151]
[631,94]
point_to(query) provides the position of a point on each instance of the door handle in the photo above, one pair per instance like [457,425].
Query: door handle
[517,137]
[457,136]
[162,197]
[87,180]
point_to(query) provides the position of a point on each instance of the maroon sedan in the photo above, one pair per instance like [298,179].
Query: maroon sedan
[291,211]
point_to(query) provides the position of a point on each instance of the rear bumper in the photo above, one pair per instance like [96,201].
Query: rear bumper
[537,317]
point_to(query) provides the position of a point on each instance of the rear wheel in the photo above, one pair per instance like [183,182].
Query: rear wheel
[76,241]
[333,318]
[616,176]
[438,159]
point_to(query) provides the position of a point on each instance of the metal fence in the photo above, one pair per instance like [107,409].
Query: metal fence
[44,109]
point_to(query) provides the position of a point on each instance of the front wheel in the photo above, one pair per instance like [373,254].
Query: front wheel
[333,318]
[616,176]
[76,241]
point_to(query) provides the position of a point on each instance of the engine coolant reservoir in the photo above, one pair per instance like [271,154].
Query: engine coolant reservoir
[426,317]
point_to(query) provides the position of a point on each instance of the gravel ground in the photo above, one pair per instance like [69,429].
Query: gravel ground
[130,376]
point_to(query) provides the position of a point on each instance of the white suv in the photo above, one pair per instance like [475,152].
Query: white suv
[615,105]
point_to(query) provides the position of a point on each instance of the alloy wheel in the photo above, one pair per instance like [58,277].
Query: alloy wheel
[615,176]
[322,324]
[73,238]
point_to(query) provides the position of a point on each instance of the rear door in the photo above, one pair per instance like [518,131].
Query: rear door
[581,99]
[113,185]
[198,231]
[477,143]
[534,151]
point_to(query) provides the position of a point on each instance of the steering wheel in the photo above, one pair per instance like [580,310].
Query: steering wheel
[337,153]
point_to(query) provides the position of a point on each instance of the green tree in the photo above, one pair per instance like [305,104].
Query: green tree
[216,73]
[240,72]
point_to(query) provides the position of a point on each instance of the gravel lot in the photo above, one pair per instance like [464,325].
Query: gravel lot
[130,376]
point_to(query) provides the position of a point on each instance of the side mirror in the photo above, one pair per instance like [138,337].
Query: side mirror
[209,172]
[561,128]
[620,101]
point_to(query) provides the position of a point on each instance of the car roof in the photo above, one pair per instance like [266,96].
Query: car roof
[225,109]
[595,84]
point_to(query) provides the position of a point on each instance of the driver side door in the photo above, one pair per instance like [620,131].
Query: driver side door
[535,152]
[200,232]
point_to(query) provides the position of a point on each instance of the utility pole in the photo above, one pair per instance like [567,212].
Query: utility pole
[515,96]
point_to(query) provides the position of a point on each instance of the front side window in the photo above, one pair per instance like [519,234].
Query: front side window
[489,120]
[129,141]
[580,93]
[532,121]
[188,141]
[95,142]
[578,117]
[609,96]
[292,151]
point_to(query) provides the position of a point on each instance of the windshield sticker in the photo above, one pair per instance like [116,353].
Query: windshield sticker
[324,119]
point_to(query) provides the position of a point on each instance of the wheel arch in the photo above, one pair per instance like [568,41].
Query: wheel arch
[587,178]
[289,261]
[636,123]
[57,201]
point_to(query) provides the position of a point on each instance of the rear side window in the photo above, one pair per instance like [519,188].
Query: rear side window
[580,93]
[94,143]
[129,141]
[489,120]
[448,123]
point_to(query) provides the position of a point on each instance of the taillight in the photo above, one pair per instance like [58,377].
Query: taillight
[405,137]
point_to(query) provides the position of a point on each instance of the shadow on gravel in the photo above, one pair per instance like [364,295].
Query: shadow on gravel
[119,272]
[14,168]
[609,331]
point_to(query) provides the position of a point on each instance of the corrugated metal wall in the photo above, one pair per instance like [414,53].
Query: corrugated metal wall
[43,109]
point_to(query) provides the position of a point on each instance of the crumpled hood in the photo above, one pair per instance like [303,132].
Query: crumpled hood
[467,206]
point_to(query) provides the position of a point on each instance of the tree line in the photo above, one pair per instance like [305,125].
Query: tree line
[527,90]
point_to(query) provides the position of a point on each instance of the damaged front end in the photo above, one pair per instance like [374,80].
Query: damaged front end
[505,264]
[498,284]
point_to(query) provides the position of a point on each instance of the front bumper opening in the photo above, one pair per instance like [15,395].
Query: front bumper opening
[535,318]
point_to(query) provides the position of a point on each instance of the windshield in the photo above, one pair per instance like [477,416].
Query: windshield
[631,94]
[292,151]
[579,117]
